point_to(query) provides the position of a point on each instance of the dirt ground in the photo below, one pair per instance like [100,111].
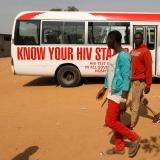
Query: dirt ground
[42,121]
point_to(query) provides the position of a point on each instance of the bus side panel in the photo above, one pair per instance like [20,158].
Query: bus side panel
[158,53]
[44,60]
[158,62]
[32,60]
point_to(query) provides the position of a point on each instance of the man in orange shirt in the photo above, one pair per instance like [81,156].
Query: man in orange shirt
[141,75]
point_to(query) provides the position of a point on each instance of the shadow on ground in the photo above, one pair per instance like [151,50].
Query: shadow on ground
[49,81]
[149,145]
[26,153]
[92,80]
[156,80]
[42,81]
[143,110]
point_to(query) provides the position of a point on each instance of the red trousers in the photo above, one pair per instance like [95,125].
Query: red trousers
[112,120]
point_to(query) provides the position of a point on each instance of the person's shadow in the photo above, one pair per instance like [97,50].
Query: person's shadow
[149,145]
[143,111]
[26,153]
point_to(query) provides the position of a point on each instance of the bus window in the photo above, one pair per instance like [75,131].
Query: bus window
[27,32]
[74,32]
[98,31]
[124,29]
[151,38]
[52,32]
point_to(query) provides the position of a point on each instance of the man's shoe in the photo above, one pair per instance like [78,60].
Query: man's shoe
[156,118]
[114,151]
[130,127]
[134,147]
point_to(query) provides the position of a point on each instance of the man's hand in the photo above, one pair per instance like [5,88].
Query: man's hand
[146,90]
[101,93]
[123,107]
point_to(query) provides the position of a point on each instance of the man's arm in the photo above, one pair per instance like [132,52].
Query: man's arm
[102,91]
[125,66]
[148,70]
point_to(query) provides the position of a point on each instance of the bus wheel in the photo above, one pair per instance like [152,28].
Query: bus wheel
[68,76]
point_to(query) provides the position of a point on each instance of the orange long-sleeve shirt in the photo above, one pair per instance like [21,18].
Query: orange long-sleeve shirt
[142,65]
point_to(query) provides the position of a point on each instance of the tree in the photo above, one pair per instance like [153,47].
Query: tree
[71,8]
[56,9]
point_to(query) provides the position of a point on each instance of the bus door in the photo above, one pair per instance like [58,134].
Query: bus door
[149,36]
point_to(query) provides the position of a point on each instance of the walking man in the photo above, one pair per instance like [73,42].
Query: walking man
[117,81]
[141,75]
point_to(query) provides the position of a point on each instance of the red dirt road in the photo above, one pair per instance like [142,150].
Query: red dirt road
[42,121]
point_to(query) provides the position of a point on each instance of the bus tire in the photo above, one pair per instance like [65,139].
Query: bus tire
[68,76]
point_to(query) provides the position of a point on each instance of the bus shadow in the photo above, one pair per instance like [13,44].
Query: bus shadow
[100,80]
[26,153]
[92,80]
[42,81]
[50,81]
[156,80]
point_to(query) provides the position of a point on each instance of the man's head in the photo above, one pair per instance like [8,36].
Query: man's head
[114,39]
[138,39]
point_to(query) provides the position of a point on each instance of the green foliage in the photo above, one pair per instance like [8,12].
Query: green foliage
[69,8]
[56,9]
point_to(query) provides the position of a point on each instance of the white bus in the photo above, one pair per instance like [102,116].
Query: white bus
[71,45]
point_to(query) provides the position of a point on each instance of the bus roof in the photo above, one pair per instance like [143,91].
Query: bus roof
[68,15]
